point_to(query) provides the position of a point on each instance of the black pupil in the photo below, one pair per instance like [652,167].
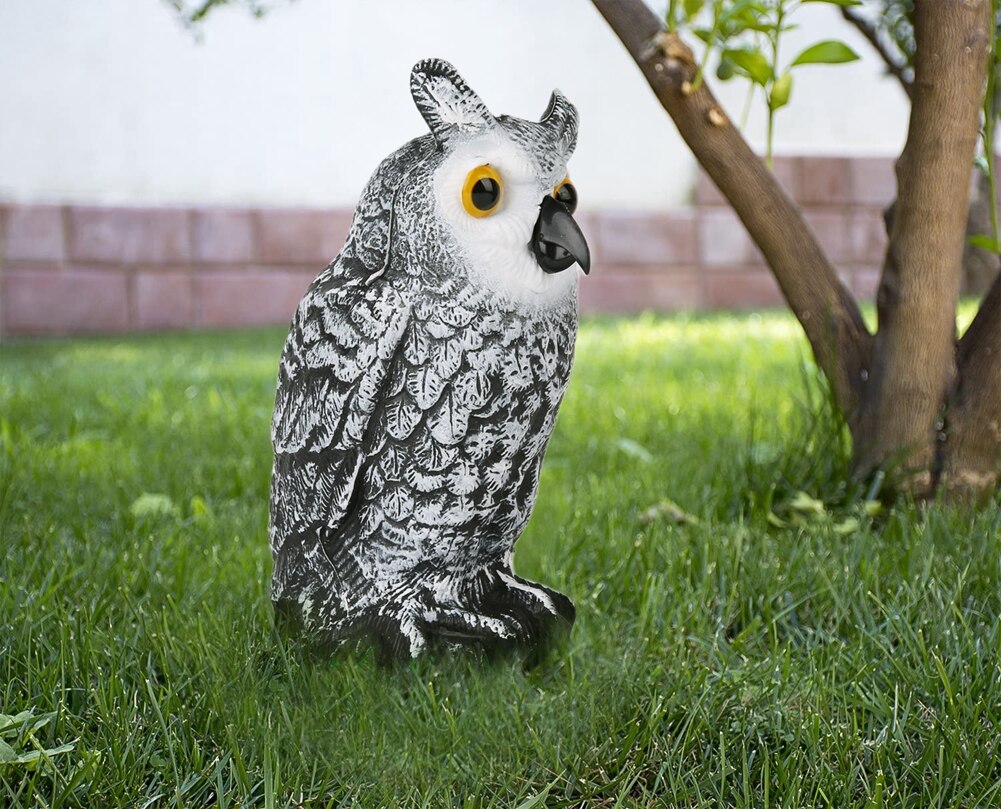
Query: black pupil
[485,193]
[567,194]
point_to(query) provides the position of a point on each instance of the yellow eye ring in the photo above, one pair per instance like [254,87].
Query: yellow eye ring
[566,192]
[482,192]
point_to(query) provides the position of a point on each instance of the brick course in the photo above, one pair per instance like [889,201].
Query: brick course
[54,300]
[34,233]
[164,299]
[223,235]
[249,297]
[129,235]
[78,269]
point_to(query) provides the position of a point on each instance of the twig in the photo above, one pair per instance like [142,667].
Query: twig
[893,65]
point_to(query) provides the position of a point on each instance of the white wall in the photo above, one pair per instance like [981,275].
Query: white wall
[114,101]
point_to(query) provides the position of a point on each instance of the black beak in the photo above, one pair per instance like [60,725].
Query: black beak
[557,241]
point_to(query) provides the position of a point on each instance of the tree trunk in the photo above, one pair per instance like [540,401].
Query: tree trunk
[914,362]
[980,266]
[913,399]
[973,421]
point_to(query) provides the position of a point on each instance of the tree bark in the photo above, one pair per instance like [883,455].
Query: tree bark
[980,266]
[914,362]
[910,395]
[972,449]
[827,311]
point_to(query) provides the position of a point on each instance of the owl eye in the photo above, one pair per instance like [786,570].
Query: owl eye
[566,193]
[482,191]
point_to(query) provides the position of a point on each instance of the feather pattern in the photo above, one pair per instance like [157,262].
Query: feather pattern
[413,409]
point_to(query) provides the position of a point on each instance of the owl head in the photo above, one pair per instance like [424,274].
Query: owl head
[499,187]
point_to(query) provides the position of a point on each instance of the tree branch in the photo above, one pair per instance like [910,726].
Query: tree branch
[985,330]
[827,311]
[914,361]
[893,65]
[973,422]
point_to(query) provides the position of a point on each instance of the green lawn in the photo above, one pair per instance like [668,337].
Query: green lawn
[753,646]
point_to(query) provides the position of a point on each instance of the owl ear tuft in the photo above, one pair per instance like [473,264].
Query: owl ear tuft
[561,116]
[452,110]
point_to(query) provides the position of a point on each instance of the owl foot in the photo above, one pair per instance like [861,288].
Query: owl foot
[529,613]
[495,610]
[405,633]
[541,600]
[454,623]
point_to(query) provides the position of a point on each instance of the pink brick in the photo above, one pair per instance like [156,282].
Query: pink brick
[831,230]
[163,299]
[741,289]
[786,171]
[634,238]
[873,180]
[129,235]
[223,234]
[868,235]
[626,289]
[73,301]
[249,297]
[723,240]
[783,168]
[706,192]
[865,283]
[824,181]
[296,235]
[34,233]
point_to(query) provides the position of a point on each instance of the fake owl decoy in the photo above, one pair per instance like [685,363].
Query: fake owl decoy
[420,381]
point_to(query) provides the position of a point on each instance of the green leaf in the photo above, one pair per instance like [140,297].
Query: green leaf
[828,52]
[667,511]
[13,722]
[634,450]
[984,243]
[199,507]
[847,526]
[752,62]
[692,7]
[40,721]
[7,753]
[836,2]
[535,800]
[152,505]
[805,504]
[781,90]
[776,520]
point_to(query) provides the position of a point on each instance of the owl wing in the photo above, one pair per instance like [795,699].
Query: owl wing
[340,347]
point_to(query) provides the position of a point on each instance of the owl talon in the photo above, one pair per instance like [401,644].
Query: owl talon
[398,636]
[533,612]
[460,624]
[538,598]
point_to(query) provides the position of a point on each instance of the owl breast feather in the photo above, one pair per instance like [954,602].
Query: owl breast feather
[410,427]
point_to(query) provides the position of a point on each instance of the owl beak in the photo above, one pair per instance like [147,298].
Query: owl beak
[557,241]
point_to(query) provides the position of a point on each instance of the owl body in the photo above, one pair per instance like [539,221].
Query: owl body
[419,386]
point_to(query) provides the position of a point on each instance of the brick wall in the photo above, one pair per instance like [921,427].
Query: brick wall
[76,269]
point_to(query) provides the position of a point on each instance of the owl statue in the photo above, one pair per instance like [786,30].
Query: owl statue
[420,381]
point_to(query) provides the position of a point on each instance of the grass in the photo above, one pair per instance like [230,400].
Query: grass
[748,633]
